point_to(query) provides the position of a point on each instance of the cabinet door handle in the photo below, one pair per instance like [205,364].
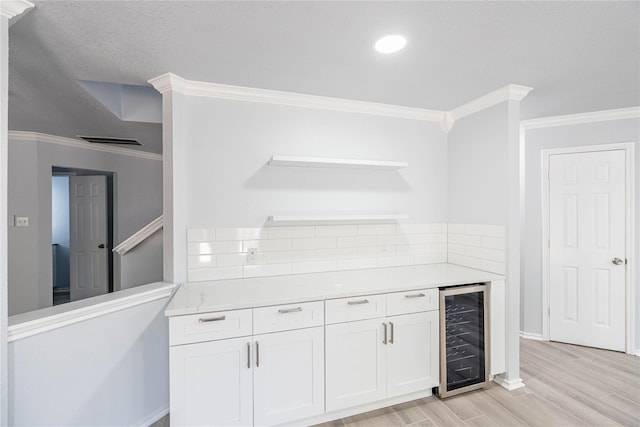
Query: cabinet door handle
[212,319]
[384,340]
[257,355]
[391,336]
[248,355]
[420,295]
[289,310]
[362,301]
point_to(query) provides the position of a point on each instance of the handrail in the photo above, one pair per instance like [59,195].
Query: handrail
[140,236]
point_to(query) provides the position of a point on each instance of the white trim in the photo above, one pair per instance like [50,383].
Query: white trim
[15,135]
[325,162]
[529,336]
[140,236]
[171,82]
[13,8]
[506,93]
[509,385]
[156,416]
[35,322]
[630,285]
[574,119]
[314,218]
[637,353]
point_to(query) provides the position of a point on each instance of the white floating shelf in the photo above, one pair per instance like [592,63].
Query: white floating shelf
[325,218]
[327,162]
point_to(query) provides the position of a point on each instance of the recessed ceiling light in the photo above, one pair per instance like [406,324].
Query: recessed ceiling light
[391,43]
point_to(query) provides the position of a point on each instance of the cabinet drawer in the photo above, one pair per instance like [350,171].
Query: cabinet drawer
[355,308]
[287,317]
[412,301]
[209,326]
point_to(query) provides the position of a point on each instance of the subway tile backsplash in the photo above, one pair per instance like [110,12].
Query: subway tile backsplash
[477,246]
[222,253]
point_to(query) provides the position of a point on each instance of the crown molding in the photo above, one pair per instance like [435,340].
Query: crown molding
[507,93]
[12,8]
[575,119]
[171,82]
[447,122]
[76,143]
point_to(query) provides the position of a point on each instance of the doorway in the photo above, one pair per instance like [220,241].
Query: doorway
[82,233]
[588,294]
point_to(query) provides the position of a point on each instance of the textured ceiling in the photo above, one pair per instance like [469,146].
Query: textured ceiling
[578,56]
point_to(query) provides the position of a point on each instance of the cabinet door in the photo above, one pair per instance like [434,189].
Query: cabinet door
[356,363]
[288,376]
[211,384]
[413,353]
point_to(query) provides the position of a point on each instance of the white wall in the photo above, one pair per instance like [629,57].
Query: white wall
[112,370]
[229,143]
[627,130]
[137,201]
[221,149]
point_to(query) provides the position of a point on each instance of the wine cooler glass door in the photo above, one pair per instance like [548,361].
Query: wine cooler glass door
[464,339]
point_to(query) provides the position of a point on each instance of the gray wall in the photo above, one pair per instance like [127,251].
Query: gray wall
[143,264]
[137,201]
[536,140]
[477,168]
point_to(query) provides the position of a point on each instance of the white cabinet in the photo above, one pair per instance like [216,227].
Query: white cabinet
[356,361]
[413,359]
[288,376]
[211,383]
[265,379]
[374,359]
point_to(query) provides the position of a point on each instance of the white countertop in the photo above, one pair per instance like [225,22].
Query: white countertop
[219,295]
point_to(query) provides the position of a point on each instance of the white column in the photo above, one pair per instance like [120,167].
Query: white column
[174,188]
[511,378]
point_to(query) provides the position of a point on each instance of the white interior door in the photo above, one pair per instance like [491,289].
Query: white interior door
[88,249]
[587,248]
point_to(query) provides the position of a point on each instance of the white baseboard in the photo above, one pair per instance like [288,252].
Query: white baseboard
[154,417]
[529,336]
[509,385]
[637,353]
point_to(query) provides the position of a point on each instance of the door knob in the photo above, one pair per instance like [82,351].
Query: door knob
[617,261]
[101,245]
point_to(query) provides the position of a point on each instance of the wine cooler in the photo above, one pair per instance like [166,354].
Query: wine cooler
[464,339]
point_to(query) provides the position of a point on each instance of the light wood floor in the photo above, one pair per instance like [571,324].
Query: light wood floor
[566,385]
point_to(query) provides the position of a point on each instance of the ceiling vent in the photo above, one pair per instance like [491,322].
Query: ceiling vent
[109,140]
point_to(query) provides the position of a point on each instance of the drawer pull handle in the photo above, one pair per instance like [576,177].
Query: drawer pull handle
[289,310]
[212,319]
[257,355]
[420,295]
[384,340]
[362,301]
[391,337]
